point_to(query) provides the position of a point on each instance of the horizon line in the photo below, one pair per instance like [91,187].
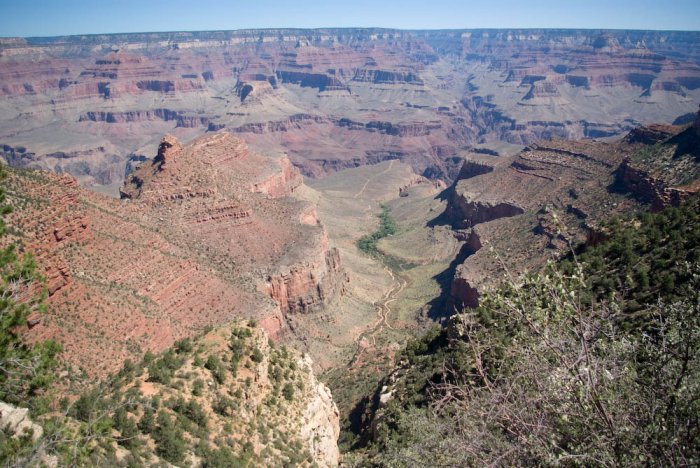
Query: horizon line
[331,28]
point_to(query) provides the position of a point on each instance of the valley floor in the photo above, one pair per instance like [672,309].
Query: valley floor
[392,295]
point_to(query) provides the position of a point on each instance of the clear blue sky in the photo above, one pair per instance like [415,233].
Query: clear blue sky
[59,17]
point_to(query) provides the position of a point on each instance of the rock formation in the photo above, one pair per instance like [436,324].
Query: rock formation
[552,195]
[649,189]
[320,427]
[333,98]
[15,421]
[542,199]
[201,231]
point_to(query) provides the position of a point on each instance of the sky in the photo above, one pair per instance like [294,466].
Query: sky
[63,17]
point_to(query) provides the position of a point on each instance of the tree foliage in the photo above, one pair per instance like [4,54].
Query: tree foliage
[554,368]
[24,370]
[387,227]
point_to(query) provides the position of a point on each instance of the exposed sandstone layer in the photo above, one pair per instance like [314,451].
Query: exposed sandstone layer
[649,189]
[333,98]
[308,286]
[542,200]
[202,228]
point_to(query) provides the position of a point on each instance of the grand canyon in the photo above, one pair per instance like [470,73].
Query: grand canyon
[306,203]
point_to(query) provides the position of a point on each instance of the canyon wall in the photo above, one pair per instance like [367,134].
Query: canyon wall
[529,207]
[333,98]
[201,230]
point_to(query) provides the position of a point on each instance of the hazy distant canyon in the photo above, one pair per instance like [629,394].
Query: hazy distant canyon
[95,106]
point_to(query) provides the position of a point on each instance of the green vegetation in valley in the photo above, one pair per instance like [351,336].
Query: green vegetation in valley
[387,227]
[584,363]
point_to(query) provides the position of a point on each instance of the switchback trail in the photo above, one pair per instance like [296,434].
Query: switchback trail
[383,309]
[362,190]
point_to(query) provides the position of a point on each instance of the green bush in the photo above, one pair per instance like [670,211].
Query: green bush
[217,371]
[197,387]
[170,442]
[288,391]
[257,356]
[147,424]
[223,457]
[387,227]
[163,369]
[183,346]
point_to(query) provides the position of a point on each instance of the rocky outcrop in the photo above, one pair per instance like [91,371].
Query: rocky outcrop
[651,134]
[419,180]
[63,229]
[542,201]
[168,149]
[463,291]
[649,189]
[306,287]
[402,129]
[542,89]
[129,116]
[294,122]
[281,183]
[387,77]
[413,129]
[471,169]
[465,211]
[181,119]
[16,422]
[321,81]
[320,427]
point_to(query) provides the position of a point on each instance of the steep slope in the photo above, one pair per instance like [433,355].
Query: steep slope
[202,241]
[553,195]
[590,343]
[227,398]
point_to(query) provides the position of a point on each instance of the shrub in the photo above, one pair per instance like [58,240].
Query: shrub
[288,391]
[170,442]
[257,355]
[214,365]
[162,370]
[148,422]
[183,346]
[197,387]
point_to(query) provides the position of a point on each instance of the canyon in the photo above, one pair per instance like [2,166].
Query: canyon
[334,98]
[207,232]
[171,184]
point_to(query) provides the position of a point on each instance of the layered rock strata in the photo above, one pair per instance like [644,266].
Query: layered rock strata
[200,230]
[542,200]
[333,98]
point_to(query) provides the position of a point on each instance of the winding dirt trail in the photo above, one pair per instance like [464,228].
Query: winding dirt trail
[383,309]
[362,190]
